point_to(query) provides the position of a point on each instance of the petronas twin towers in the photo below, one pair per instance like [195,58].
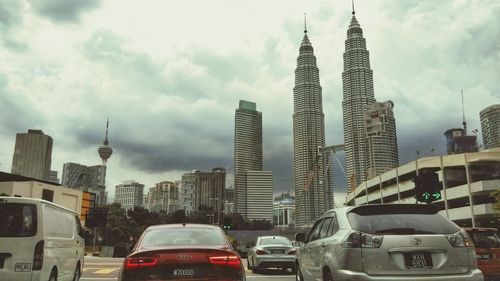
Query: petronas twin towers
[369,127]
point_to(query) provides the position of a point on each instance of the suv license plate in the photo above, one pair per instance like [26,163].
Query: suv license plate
[483,256]
[183,272]
[418,260]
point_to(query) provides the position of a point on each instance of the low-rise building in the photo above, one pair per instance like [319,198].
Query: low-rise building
[466,181]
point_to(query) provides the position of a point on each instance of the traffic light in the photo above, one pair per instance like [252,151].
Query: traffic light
[226,223]
[427,187]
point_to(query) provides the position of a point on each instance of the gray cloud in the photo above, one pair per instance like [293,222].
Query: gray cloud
[63,10]
[11,17]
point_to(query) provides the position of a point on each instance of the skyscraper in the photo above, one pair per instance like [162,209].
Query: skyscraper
[490,126]
[458,142]
[247,150]
[358,97]
[308,134]
[381,140]
[32,155]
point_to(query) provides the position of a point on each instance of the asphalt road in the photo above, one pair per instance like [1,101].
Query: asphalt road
[106,269]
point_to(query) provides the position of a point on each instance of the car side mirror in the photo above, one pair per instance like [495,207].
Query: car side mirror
[300,237]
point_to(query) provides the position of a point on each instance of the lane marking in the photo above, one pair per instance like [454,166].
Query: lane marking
[96,278]
[103,263]
[105,271]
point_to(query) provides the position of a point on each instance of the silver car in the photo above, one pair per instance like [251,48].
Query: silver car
[386,242]
[271,251]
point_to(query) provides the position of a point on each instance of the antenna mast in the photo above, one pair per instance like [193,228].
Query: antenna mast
[463,114]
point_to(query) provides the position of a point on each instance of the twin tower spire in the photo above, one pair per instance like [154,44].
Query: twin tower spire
[366,147]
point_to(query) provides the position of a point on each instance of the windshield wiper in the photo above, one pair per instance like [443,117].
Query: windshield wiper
[403,230]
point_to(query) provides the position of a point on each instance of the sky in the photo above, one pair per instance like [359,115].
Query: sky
[169,75]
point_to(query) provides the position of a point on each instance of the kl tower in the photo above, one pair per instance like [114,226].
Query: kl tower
[105,152]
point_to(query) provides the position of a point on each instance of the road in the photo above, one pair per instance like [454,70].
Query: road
[106,269]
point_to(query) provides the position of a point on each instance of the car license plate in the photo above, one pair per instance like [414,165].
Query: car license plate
[277,252]
[483,256]
[22,267]
[183,272]
[418,260]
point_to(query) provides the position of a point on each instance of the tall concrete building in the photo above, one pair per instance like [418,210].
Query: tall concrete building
[259,185]
[308,134]
[247,150]
[32,155]
[209,192]
[186,196]
[164,197]
[490,126]
[381,140]
[129,194]
[86,178]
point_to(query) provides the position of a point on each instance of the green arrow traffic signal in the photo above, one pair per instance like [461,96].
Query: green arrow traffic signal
[436,195]
[426,195]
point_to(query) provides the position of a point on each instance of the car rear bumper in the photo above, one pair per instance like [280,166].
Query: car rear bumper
[347,275]
[274,261]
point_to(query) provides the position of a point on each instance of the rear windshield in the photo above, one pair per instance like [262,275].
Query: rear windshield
[275,241]
[17,220]
[485,239]
[407,223]
[183,236]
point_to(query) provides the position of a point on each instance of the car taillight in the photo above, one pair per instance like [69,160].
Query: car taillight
[38,255]
[292,252]
[233,261]
[260,252]
[362,240]
[460,239]
[136,262]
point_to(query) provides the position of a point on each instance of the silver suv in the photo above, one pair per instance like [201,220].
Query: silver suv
[386,242]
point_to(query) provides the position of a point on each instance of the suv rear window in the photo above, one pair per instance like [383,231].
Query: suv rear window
[400,220]
[17,220]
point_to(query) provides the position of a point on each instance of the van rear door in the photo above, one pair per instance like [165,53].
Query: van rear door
[18,237]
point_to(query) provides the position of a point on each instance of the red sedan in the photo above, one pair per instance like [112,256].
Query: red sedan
[182,251]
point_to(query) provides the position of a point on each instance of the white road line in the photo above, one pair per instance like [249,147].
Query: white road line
[98,278]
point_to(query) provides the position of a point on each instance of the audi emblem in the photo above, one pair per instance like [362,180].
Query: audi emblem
[416,241]
[182,257]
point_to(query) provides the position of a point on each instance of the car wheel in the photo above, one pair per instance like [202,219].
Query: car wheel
[298,274]
[327,276]
[248,264]
[53,275]
[77,274]
[294,269]
[255,269]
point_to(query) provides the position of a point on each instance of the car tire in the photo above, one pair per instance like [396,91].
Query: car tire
[294,269]
[53,275]
[248,264]
[298,274]
[255,269]
[327,276]
[77,274]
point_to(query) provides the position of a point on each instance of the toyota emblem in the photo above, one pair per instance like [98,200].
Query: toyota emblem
[416,241]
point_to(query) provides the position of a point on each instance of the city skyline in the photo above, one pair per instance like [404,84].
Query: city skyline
[170,92]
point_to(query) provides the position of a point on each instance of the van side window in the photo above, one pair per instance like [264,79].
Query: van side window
[58,223]
[314,234]
[324,229]
[79,229]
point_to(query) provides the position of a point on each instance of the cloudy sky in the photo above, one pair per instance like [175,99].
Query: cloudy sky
[169,75]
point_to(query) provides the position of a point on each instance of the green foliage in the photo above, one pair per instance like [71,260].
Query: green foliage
[496,205]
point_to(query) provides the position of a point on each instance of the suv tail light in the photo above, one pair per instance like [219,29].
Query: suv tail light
[357,239]
[136,262]
[38,255]
[460,239]
[232,261]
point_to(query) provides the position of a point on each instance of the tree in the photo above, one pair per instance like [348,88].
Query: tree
[118,229]
[496,205]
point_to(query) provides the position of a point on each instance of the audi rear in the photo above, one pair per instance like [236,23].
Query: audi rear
[182,252]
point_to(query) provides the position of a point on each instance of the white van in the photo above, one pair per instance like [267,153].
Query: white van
[39,240]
